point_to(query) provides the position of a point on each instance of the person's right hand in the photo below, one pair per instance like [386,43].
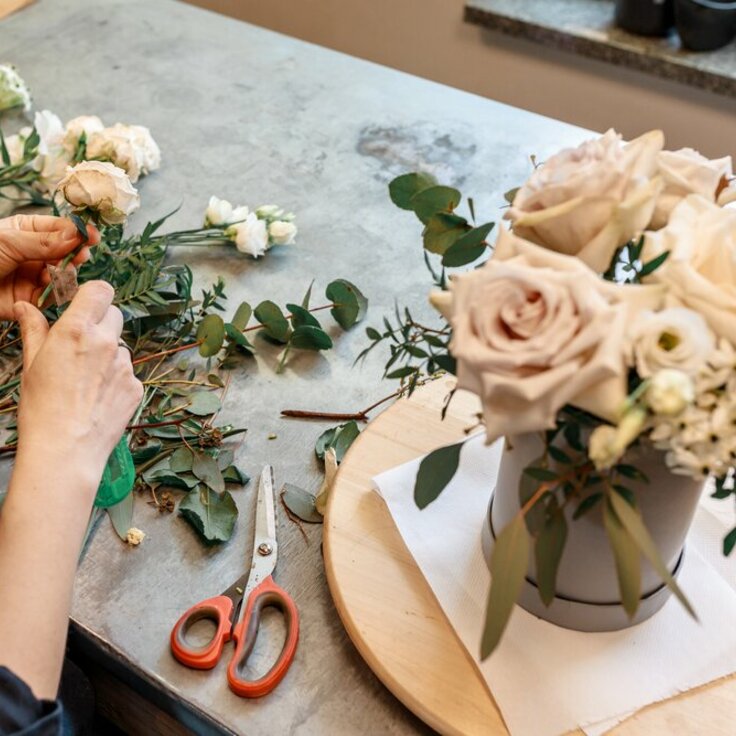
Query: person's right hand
[78,388]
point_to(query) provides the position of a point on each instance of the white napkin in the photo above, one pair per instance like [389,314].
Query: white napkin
[545,679]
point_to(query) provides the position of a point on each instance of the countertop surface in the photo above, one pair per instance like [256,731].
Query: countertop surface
[586,27]
[258,118]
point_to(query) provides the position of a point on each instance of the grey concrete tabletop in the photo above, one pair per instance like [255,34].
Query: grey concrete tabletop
[259,118]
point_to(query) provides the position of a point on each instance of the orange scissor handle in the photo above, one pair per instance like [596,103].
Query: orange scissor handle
[217,610]
[267,594]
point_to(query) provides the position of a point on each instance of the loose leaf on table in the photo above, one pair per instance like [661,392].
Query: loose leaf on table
[143,454]
[442,231]
[432,200]
[181,460]
[121,516]
[306,337]
[435,471]
[349,303]
[275,325]
[203,403]
[548,548]
[233,474]
[468,248]
[211,332]
[627,558]
[205,467]
[509,563]
[631,520]
[213,515]
[729,542]
[339,438]
[301,503]
[403,188]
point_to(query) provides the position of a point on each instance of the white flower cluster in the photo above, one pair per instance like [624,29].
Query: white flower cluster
[252,232]
[129,147]
[13,90]
[701,439]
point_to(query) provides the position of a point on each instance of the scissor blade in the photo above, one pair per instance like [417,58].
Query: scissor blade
[265,516]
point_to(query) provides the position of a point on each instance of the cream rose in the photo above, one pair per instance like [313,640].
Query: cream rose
[673,338]
[533,331]
[687,172]
[102,188]
[281,232]
[116,145]
[700,272]
[82,125]
[589,200]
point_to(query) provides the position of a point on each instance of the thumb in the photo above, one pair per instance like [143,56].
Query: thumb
[33,330]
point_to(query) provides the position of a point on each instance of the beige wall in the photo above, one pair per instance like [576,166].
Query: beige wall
[429,38]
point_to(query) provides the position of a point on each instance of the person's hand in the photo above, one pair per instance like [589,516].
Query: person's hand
[78,388]
[27,244]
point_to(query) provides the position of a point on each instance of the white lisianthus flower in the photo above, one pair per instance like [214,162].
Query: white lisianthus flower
[53,157]
[269,211]
[101,188]
[50,131]
[14,91]
[239,214]
[281,232]
[218,212]
[14,145]
[687,172]
[588,201]
[670,392]
[79,126]
[147,150]
[673,338]
[250,236]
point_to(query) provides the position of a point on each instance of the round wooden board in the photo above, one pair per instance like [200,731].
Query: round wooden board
[394,620]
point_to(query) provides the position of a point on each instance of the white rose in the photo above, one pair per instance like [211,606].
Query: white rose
[218,212]
[53,157]
[149,154]
[50,131]
[673,338]
[250,236]
[81,125]
[589,200]
[700,272]
[102,188]
[116,145]
[686,172]
[13,90]
[281,232]
[670,392]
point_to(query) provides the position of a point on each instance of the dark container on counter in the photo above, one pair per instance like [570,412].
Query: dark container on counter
[705,25]
[645,17]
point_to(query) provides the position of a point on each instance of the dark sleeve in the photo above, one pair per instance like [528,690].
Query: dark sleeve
[22,713]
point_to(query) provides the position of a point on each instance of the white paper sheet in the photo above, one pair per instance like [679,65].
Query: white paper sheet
[545,679]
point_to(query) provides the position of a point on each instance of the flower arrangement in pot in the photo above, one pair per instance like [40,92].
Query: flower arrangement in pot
[598,331]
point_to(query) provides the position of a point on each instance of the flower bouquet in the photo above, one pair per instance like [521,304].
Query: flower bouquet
[598,332]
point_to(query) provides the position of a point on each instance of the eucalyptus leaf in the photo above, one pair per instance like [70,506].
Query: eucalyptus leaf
[403,188]
[548,549]
[275,325]
[242,316]
[442,231]
[430,201]
[211,332]
[181,460]
[627,558]
[233,474]
[301,503]
[435,472]
[205,468]
[349,303]
[468,248]
[204,403]
[143,454]
[631,520]
[306,337]
[509,562]
[301,316]
[338,438]
[212,515]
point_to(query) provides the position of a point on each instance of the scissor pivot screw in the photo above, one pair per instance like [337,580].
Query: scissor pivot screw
[264,549]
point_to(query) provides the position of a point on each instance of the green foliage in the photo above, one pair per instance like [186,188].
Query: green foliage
[626,266]
[509,563]
[349,304]
[213,515]
[338,438]
[403,188]
[627,558]
[301,504]
[435,472]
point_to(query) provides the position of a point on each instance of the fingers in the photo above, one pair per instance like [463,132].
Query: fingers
[91,302]
[33,329]
[42,238]
[112,323]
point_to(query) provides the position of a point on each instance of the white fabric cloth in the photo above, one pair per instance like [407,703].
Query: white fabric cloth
[545,679]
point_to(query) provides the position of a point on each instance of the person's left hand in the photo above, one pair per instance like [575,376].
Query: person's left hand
[27,244]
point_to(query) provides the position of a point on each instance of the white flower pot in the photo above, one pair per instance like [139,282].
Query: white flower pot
[587,595]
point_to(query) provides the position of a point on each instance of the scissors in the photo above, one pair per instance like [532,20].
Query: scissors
[257,590]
